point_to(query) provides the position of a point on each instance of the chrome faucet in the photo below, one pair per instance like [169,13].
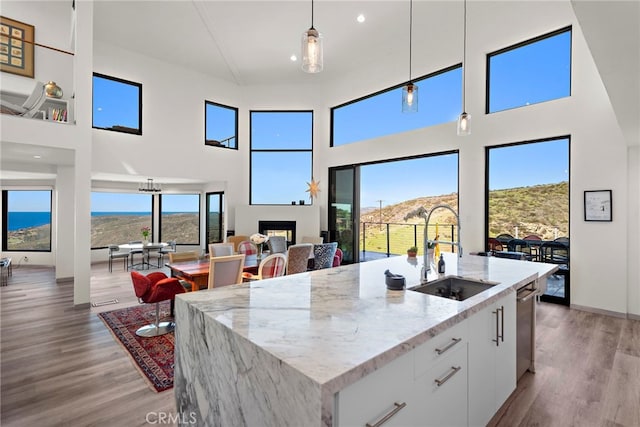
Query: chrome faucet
[427,216]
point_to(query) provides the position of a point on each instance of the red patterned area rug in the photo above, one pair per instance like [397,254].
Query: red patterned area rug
[153,357]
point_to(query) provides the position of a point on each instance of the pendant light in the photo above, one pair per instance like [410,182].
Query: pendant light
[465,118]
[312,48]
[410,91]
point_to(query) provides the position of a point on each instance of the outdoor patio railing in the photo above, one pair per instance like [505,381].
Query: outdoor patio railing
[395,238]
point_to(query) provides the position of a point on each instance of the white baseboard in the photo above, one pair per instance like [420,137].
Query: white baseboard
[599,311]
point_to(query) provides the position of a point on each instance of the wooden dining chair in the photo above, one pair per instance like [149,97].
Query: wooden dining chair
[220,249]
[313,240]
[236,240]
[183,256]
[225,270]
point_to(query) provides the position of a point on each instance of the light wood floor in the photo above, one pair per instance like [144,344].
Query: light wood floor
[60,366]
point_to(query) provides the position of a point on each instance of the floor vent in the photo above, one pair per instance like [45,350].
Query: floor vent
[101,303]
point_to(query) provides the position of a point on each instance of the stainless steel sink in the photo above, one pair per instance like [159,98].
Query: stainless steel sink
[454,287]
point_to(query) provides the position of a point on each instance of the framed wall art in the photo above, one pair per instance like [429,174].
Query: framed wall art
[597,205]
[16,47]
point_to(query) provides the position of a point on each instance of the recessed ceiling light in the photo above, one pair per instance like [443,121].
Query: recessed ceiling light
[360,18]
[293,58]
[36,156]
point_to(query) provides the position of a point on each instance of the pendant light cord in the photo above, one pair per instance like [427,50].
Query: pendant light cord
[311,13]
[410,34]
[464,59]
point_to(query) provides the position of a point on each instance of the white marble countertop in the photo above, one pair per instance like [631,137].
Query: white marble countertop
[336,325]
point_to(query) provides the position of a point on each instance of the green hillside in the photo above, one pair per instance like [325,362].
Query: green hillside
[540,209]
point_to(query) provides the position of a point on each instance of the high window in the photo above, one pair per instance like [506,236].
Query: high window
[530,72]
[117,104]
[281,156]
[26,220]
[380,114]
[180,218]
[118,218]
[215,217]
[220,125]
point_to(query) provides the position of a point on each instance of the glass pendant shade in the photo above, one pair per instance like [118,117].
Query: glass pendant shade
[410,98]
[312,51]
[464,128]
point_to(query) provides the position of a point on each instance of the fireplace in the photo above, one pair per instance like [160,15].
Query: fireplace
[279,228]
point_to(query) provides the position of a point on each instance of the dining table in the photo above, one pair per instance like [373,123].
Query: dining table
[197,272]
[146,249]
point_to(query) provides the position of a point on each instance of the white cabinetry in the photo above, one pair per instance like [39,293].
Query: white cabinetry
[492,358]
[442,391]
[425,387]
[386,392]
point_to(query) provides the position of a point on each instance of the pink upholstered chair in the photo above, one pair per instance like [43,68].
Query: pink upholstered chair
[153,288]
[272,266]
[337,258]
[248,248]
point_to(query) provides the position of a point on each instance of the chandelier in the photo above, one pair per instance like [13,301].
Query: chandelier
[149,187]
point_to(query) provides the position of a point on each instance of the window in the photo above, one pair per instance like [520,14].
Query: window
[528,206]
[26,220]
[180,218]
[281,156]
[118,218]
[530,72]
[215,217]
[381,114]
[117,104]
[220,125]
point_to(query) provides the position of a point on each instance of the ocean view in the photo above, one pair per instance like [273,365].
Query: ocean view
[20,220]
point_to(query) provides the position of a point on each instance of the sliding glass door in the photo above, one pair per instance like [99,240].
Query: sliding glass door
[343,209]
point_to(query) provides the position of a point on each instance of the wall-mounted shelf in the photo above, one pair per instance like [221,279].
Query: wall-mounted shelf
[34,107]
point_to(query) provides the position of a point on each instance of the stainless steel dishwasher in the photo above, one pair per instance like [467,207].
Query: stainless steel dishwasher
[526,327]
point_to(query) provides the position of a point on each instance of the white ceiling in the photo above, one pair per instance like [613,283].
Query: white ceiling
[251,42]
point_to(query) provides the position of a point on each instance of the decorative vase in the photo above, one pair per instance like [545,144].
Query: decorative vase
[145,240]
[52,90]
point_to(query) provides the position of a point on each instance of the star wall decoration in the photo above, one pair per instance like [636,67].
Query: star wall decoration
[313,188]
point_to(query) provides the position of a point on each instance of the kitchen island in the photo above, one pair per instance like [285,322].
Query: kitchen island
[283,351]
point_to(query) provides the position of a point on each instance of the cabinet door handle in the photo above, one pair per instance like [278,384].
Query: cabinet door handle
[453,342]
[497,340]
[398,407]
[502,322]
[454,370]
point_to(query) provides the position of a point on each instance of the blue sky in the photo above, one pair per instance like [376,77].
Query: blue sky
[30,201]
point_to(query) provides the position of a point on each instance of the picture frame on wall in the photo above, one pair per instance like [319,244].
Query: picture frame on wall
[598,205]
[16,47]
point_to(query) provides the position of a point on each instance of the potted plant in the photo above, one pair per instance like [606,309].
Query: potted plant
[412,251]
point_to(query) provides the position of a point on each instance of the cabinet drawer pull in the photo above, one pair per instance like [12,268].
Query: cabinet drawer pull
[453,371]
[398,407]
[453,342]
[497,313]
